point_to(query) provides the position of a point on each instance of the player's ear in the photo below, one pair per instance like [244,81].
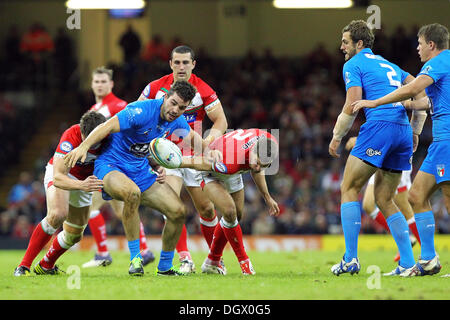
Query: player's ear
[194,63]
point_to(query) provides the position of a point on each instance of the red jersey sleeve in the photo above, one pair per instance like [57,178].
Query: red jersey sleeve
[208,95]
[70,139]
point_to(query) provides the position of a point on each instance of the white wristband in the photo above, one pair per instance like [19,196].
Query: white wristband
[418,120]
[343,124]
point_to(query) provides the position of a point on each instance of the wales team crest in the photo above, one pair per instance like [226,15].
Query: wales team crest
[440,170]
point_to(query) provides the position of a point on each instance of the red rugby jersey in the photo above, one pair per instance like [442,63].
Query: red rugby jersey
[109,106]
[235,147]
[70,139]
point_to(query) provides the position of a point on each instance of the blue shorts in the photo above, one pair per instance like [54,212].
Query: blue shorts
[385,145]
[437,161]
[142,175]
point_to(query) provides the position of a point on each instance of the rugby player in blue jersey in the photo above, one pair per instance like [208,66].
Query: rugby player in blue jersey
[434,173]
[384,146]
[127,175]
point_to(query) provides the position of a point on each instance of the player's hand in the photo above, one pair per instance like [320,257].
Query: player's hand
[274,210]
[406,104]
[79,153]
[161,174]
[214,156]
[350,143]
[363,104]
[332,148]
[415,142]
[91,183]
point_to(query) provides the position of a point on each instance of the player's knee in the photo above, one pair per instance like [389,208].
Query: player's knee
[414,198]
[56,217]
[229,213]
[177,214]
[206,211]
[133,196]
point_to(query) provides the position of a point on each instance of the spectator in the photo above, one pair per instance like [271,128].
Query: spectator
[130,43]
[21,191]
[156,50]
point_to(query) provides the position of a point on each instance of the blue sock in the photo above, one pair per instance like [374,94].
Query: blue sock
[133,246]
[165,260]
[426,225]
[351,225]
[400,231]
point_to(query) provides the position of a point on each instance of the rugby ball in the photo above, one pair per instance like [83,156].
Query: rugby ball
[165,153]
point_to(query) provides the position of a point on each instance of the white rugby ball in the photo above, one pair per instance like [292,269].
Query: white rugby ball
[166,153]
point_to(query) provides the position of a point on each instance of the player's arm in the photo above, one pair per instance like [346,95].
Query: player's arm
[345,119]
[260,181]
[408,91]
[199,146]
[97,135]
[220,124]
[62,180]
[142,97]
[199,163]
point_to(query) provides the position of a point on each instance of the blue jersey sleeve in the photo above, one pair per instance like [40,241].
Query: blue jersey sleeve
[403,75]
[352,75]
[433,69]
[134,115]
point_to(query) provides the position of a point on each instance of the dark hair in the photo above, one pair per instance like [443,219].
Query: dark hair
[437,33]
[89,121]
[183,49]
[266,149]
[359,30]
[184,89]
[103,70]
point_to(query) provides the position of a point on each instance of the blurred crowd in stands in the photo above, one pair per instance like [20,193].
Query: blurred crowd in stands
[301,96]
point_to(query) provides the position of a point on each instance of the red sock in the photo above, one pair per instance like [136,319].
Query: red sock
[382,221]
[143,239]
[234,237]
[98,230]
[55,251]
[37,241]
[207,226]
[218,243]
[181,247]
[413,227]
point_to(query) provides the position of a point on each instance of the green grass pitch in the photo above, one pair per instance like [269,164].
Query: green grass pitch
[279,276]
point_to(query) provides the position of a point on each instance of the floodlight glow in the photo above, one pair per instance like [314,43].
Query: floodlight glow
[105,4]
[312,4]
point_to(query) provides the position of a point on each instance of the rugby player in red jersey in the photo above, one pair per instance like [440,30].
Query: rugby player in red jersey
[251,150]
[205,103]
[108,105]
[68,193]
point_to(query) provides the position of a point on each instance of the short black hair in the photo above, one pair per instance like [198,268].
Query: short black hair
[266,149]
[184,89]
[360,30]
[89,121]
[183,49]
[435,32]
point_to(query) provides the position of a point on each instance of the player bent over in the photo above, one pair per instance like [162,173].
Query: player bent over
[68,194]
[242,150]
[127,175]
[434,78]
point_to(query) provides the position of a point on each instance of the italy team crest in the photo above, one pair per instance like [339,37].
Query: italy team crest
[440,170]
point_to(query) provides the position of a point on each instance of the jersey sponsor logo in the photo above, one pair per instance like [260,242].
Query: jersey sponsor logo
[190,117]
[140,150]
[347,77]
[427,69]
[250,142]
[440,170]
[371,152]
[66,146]
[220,167]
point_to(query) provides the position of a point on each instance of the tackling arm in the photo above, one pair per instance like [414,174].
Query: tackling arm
[220,124]
[63,181]
[97,135]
